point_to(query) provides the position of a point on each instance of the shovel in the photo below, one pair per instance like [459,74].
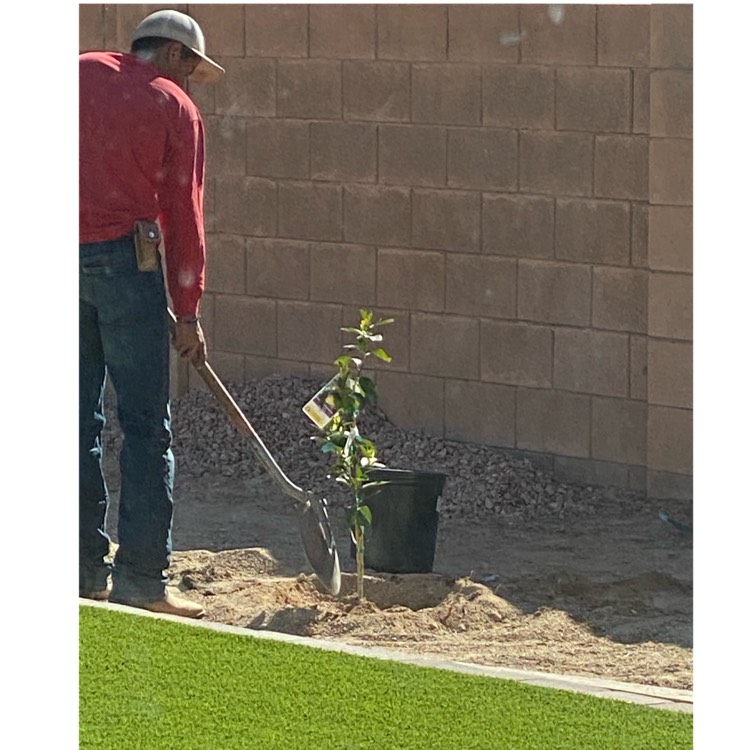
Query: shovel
[314,524]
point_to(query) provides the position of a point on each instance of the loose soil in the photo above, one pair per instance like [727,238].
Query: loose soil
[605,594]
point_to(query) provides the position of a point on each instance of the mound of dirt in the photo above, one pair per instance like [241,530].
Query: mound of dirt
[432,614]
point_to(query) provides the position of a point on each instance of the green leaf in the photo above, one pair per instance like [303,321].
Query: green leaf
[364,516]
[385,322]
[350,329]
[382,354]
[368,386]
[365,317]
[343,362]
[367,447]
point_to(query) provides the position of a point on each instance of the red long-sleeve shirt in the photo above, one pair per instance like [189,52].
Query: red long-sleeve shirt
[142,156]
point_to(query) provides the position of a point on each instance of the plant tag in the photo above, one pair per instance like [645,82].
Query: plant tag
[320,407]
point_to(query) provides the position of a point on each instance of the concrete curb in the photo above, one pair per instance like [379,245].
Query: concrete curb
[647,695]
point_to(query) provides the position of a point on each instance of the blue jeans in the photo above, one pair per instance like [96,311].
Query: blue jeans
[124,335]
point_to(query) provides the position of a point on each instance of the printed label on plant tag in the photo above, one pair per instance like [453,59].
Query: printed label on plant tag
[320,407]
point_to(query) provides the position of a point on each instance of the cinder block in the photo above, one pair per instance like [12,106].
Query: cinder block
[412,32]
[377,215]
[593,231]
[342,31]
[638,368]
[593,362]
[556,163]
[223,26]
[670,306]
[620,299]
[310,211]
[671,36]
[554,292]
[246,205]
[309,89]
[618,430]
[90,28]
[670,238]
[670,373]
[225,263]
[639,235]
[263,367]
[641,102]
[518,96]
[226,141]
[596,100]
[623,35]
[483,33]
[209,204]
[377,91]
[518,225]
[670,439]
[203,96]
[482,159]
[553,422]
[413,401]
[342,273]
[558,34]
[480,413]
[663,485]
[480,285]
[621,167]
[279,269]
[346,152]
[229,368]
[245,326]
[671,172]
[585,471]
[395,336]
[672,103]
[446,220]
[309,332]
[412,155]
[111,23]
[445,345]
[247,89]
[276,30]
[516,354]
[448,94]
[278,148]
[411,279]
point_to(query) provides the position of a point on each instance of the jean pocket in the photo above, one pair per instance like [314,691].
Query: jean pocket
[109,264]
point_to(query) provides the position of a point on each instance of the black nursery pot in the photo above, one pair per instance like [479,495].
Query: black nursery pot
[403,534]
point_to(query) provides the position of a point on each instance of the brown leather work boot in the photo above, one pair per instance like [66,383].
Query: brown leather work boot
[171,604]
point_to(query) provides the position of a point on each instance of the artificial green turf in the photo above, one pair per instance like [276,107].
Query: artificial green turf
[147,684]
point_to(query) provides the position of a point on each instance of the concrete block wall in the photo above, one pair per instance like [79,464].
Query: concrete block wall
[513,183]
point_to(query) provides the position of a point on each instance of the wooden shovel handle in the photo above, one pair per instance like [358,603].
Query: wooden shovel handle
[242,423]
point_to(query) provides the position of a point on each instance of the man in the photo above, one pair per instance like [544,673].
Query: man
[141,180]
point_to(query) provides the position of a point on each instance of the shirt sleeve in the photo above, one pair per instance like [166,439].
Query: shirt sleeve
[181,217]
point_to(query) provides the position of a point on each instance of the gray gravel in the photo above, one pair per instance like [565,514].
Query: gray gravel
[482,481]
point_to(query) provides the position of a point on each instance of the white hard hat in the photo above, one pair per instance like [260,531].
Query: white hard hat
[171,24]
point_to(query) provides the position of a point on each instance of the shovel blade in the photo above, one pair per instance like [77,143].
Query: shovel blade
[319,544]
